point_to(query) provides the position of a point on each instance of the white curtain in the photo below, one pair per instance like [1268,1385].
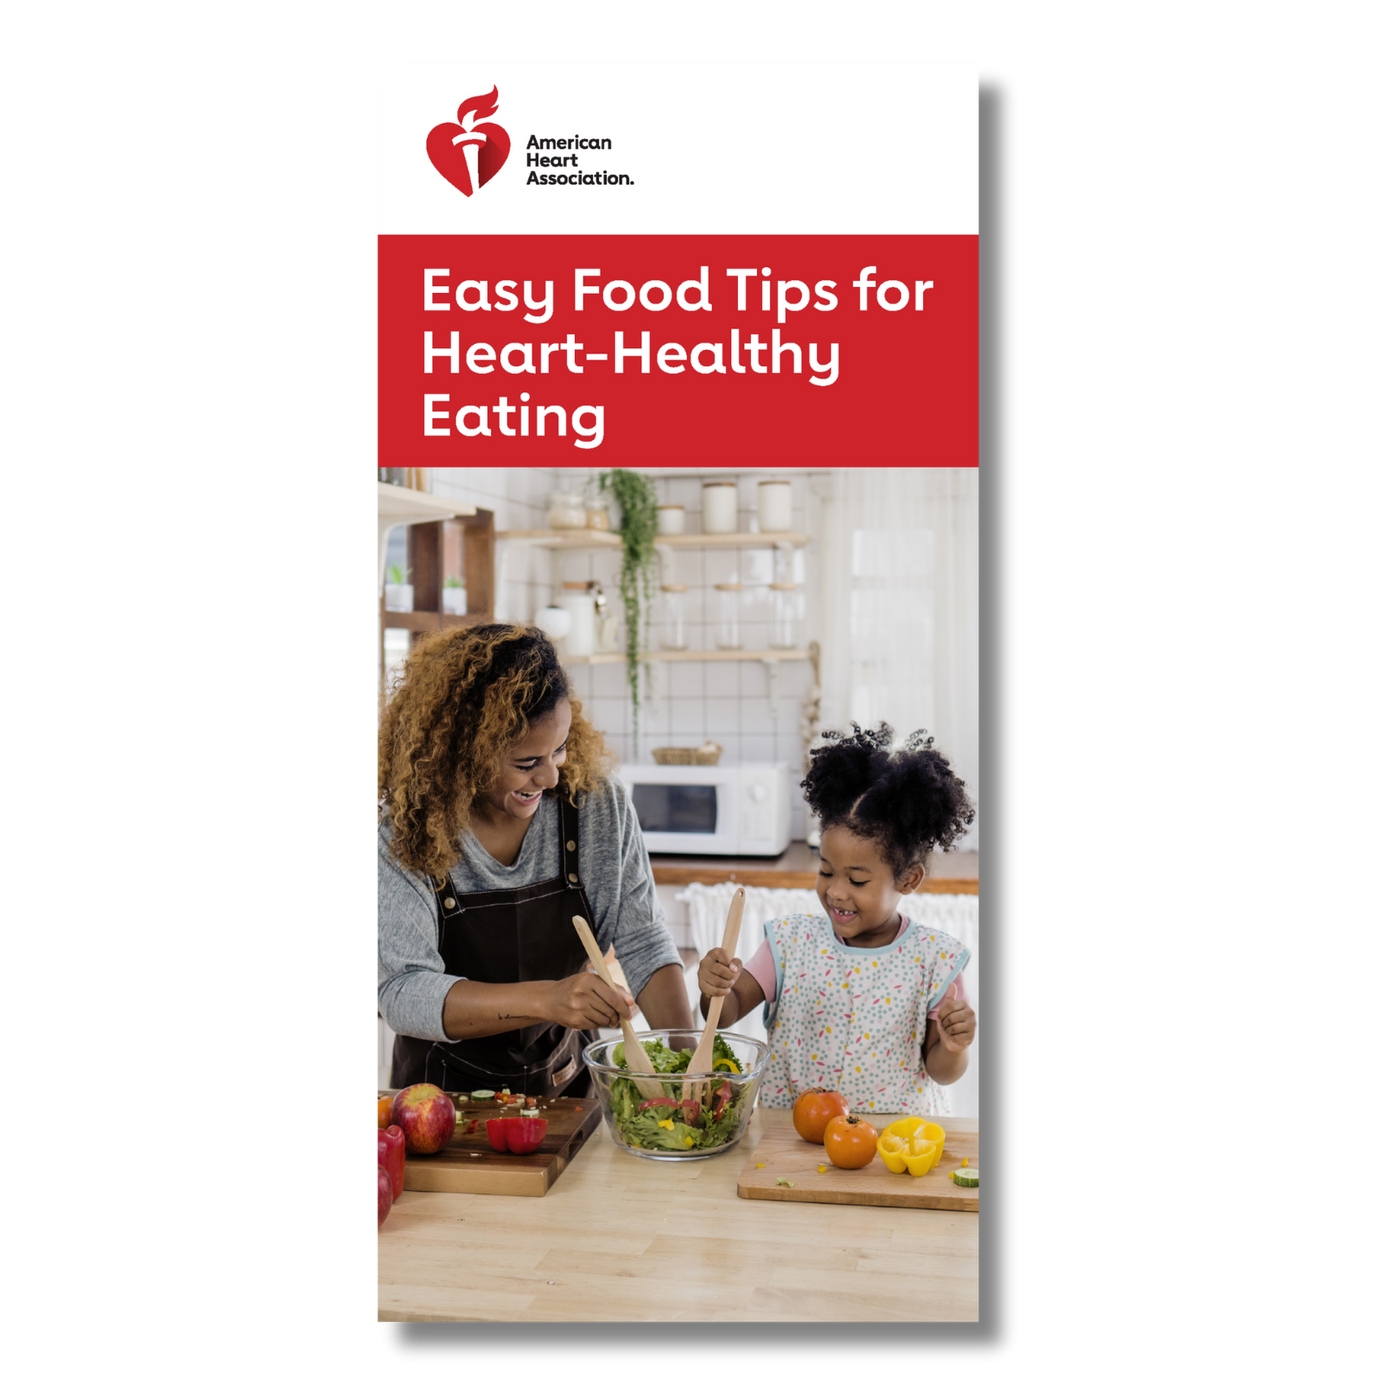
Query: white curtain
[899,607]
[953,914]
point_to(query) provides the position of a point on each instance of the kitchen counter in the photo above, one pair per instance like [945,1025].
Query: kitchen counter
[949,872]
[620,1239]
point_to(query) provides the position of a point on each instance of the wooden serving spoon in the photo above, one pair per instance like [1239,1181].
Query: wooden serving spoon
[638,1061]
[702,1061]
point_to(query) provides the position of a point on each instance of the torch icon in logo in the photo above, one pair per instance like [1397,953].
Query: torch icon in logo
[469,151]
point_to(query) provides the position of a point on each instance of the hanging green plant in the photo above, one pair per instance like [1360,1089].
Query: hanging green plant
[635,496]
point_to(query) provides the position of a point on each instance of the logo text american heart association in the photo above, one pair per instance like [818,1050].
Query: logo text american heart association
[469,152]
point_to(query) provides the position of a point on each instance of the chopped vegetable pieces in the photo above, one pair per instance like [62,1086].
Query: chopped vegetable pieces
[964,1176]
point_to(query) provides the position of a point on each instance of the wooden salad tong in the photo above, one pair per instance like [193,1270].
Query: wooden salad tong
[638,1061]
[702,1062]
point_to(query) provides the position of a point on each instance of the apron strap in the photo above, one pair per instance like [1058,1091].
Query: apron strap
[568,842]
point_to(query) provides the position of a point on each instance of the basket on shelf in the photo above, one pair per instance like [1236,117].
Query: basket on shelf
[707,753]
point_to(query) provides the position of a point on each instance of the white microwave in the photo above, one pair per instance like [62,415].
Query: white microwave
[693,809]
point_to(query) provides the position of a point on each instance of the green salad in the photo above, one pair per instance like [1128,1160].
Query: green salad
[671,1123]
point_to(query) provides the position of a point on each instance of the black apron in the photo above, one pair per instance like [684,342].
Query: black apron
[519,935]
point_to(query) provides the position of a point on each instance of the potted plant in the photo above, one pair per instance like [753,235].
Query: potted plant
[398,591]
[635,496]
[454,596]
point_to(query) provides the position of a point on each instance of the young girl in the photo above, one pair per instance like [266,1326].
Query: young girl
[860,1000]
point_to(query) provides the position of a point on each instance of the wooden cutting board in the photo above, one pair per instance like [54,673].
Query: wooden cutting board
[469,1164]
[784,1154]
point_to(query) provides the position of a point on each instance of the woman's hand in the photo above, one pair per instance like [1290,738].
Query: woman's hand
[957,1024]
[717,977]
[586,1002]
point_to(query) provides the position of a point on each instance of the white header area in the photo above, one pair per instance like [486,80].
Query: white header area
[732,148]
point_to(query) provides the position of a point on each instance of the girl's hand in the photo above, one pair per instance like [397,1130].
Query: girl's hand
[957,1024]
[718,977]
[586,1002]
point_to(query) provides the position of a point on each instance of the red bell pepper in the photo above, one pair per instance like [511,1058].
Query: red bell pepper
[518,1135]
[689,1109]
[525,1134]
[392,1148]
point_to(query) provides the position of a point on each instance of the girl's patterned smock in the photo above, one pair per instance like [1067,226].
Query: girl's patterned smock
[853,1019]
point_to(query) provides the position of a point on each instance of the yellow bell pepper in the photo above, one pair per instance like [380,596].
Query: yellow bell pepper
[721,1064]
[911,1144]
[904,1128]
[892,1150]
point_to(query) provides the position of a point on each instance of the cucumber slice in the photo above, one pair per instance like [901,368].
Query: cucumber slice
[483,1094]
[965,1176]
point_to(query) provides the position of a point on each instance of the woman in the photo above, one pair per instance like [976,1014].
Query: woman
[498,826]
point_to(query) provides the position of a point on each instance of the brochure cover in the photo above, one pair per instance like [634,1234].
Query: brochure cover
[679,266]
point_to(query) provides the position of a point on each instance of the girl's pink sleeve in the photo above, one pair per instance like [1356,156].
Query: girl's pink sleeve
[956,991]
[761,968]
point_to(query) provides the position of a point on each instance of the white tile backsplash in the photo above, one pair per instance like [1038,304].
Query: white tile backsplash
[794,680]
[753,680]
[609,715]
[687,679]
[689,715]
[757,748]
[722,716]
[610,682]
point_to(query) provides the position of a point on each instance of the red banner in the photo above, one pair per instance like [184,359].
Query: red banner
[708,352]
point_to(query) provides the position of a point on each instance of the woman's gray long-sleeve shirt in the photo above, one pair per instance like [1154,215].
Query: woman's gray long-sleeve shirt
[616,875]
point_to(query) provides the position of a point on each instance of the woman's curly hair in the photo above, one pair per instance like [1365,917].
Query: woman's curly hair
[469,696]
[906,800]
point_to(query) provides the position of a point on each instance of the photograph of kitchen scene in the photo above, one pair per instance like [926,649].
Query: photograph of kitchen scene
[671,648]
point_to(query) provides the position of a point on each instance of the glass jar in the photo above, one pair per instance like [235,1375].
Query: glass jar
[720,501]
[673,616]
[784,613]
[727,624]
[595,509]
[775,506]
[566,511]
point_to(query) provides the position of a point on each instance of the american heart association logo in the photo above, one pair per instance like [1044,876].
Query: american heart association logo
[469,151]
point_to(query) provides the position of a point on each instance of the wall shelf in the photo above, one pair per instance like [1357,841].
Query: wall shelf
[605,539]
[770,659]
[607,658]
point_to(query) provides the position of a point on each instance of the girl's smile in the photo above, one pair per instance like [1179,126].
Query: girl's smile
[858,890]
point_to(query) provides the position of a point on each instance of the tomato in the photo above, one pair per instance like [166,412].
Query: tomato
[814,1110]
[850,1141]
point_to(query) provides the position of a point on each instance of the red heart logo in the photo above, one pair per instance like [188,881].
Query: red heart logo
[456,150]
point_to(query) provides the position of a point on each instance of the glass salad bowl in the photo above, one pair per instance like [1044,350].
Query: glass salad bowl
[676,1116]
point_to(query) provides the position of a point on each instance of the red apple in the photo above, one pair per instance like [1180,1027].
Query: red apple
[386,1195]
[427,1117]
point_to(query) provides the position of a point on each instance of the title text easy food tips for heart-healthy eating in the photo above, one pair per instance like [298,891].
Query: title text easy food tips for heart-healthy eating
[446,353]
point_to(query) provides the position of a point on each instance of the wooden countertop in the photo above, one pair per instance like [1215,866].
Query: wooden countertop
[620,1239]
[949,872]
